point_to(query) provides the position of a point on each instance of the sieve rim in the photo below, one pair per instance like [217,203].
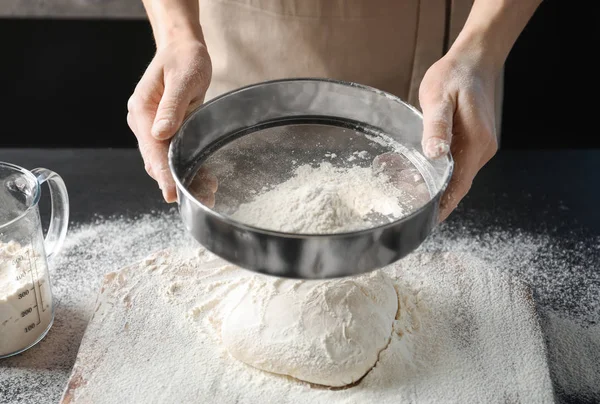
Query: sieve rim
[287,235]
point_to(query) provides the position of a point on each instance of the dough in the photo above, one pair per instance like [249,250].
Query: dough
[327,332]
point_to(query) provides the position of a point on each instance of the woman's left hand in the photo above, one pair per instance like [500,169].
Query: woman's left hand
[457,97]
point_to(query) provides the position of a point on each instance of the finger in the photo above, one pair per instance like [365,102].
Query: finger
[481,126]
[490,151]
[205,197]
[469,145]
[459,185]
[142,111]
[194,104]
[203,187]
[141,108]
[133,127]
[154,153]
[438,112]
[171,109]
[166,182]
[208,179]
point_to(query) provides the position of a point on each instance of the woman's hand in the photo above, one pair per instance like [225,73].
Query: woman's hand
[457,93]
[173,85]
[457,99]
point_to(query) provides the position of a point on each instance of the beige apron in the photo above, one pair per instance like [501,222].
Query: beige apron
[387,44]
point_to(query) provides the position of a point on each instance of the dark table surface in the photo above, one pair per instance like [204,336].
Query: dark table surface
[551,192]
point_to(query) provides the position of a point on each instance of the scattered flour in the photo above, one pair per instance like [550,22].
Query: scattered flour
[463,334]
[564,278]
[327,199]
[363,154]
[90,251]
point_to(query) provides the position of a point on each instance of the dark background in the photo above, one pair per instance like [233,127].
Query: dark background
[65,83]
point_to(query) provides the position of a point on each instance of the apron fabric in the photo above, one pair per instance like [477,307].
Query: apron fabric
[386,44]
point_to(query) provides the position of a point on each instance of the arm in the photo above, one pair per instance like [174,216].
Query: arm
[493,27]
[457,94]
[173,20]
[173,85]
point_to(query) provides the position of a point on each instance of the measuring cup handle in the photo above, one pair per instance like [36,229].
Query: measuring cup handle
[59,216]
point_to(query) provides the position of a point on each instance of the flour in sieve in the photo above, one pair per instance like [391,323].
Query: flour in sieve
[327,199]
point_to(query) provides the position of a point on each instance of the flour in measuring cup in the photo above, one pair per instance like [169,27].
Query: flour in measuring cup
[25,298]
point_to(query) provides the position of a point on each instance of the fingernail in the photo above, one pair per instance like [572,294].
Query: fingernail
[168,195]
[148,168]
[435,148]
[161,128]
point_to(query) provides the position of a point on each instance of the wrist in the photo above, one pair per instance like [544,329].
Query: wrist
[476,47]
[175,21]
[170,35]
[492,28]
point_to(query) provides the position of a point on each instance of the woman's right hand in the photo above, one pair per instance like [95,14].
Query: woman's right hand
[173,85]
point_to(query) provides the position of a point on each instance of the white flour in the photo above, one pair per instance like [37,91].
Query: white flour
[565,286]
[327,332]
[327,199]
[463,334]
[25,298]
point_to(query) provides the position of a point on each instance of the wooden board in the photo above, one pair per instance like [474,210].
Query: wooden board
[145,342]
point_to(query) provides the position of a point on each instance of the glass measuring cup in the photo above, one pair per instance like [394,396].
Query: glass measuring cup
[26,308]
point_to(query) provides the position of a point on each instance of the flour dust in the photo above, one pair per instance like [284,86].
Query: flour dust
[564,278]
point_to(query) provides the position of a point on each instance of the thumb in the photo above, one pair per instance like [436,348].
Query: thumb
[437,126]
[170,112]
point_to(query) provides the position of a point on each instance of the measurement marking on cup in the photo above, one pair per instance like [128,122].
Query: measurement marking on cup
[39,286]
[37,306]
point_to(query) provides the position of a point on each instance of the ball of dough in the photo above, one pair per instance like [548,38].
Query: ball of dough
[327,332]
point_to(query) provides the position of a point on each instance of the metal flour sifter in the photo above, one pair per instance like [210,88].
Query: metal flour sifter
[253,137]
